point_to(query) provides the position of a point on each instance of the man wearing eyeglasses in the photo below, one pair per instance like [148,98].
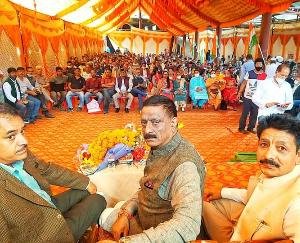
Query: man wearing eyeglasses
[275,95]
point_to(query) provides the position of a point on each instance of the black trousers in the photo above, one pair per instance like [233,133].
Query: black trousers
[80,209]
[248,108]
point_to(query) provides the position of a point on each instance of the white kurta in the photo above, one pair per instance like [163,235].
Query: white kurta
[269,91]
[291,221]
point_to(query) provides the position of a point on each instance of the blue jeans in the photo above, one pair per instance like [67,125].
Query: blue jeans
[200,103]
[25,110]
[87,96]
[249,108]
[36,106]
[69,96]
[140,94]
[107,95]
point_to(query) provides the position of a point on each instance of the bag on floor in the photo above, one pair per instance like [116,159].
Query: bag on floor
[223,105]
[93,106]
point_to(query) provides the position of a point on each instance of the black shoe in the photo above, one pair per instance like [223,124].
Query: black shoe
[38,117]
[194,107]
[70,110]
[26,121]
[79,109]
[117,110]
[126,110]
[48,115]
[243,131]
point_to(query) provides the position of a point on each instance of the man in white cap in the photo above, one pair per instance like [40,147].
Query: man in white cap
[271,68]
[279,60]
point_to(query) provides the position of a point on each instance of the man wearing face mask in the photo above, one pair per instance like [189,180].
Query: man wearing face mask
[248,87]
[275,95]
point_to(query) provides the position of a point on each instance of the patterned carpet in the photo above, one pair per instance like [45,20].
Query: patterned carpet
[214,134]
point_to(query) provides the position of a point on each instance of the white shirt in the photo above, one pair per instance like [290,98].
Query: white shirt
[7,91]
[270,91]
[271,70]
[291,223]
[24,85]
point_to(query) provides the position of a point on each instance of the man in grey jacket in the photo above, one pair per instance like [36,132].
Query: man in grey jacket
[168,206]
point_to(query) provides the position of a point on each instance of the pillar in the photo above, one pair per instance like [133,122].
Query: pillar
[219,36]
[140,19]
[172,42]
[265,34]
[183,45]
[196,45]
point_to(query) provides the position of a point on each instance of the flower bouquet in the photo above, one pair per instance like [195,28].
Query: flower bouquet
[109,146]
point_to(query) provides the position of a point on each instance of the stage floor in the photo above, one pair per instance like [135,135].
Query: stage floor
[214,134]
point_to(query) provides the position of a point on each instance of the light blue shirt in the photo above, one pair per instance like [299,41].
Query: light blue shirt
[246,67]
[17,170]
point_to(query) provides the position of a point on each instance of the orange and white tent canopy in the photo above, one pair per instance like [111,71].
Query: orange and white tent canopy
[175,16]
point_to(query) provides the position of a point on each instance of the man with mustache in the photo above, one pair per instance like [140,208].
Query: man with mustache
[270,207]
[28,210]
[168,206]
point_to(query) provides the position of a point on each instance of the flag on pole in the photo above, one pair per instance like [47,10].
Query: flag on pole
[252,38]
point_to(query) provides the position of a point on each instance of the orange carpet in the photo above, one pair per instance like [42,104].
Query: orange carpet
[214,134]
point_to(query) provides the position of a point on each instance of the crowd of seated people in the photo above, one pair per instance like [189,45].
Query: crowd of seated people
[116,77]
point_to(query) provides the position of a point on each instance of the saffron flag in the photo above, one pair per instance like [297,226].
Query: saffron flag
[252,38]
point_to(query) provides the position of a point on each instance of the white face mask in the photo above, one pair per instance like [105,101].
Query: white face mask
[280,80]
[213,75]
[178,77]
[196,74]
